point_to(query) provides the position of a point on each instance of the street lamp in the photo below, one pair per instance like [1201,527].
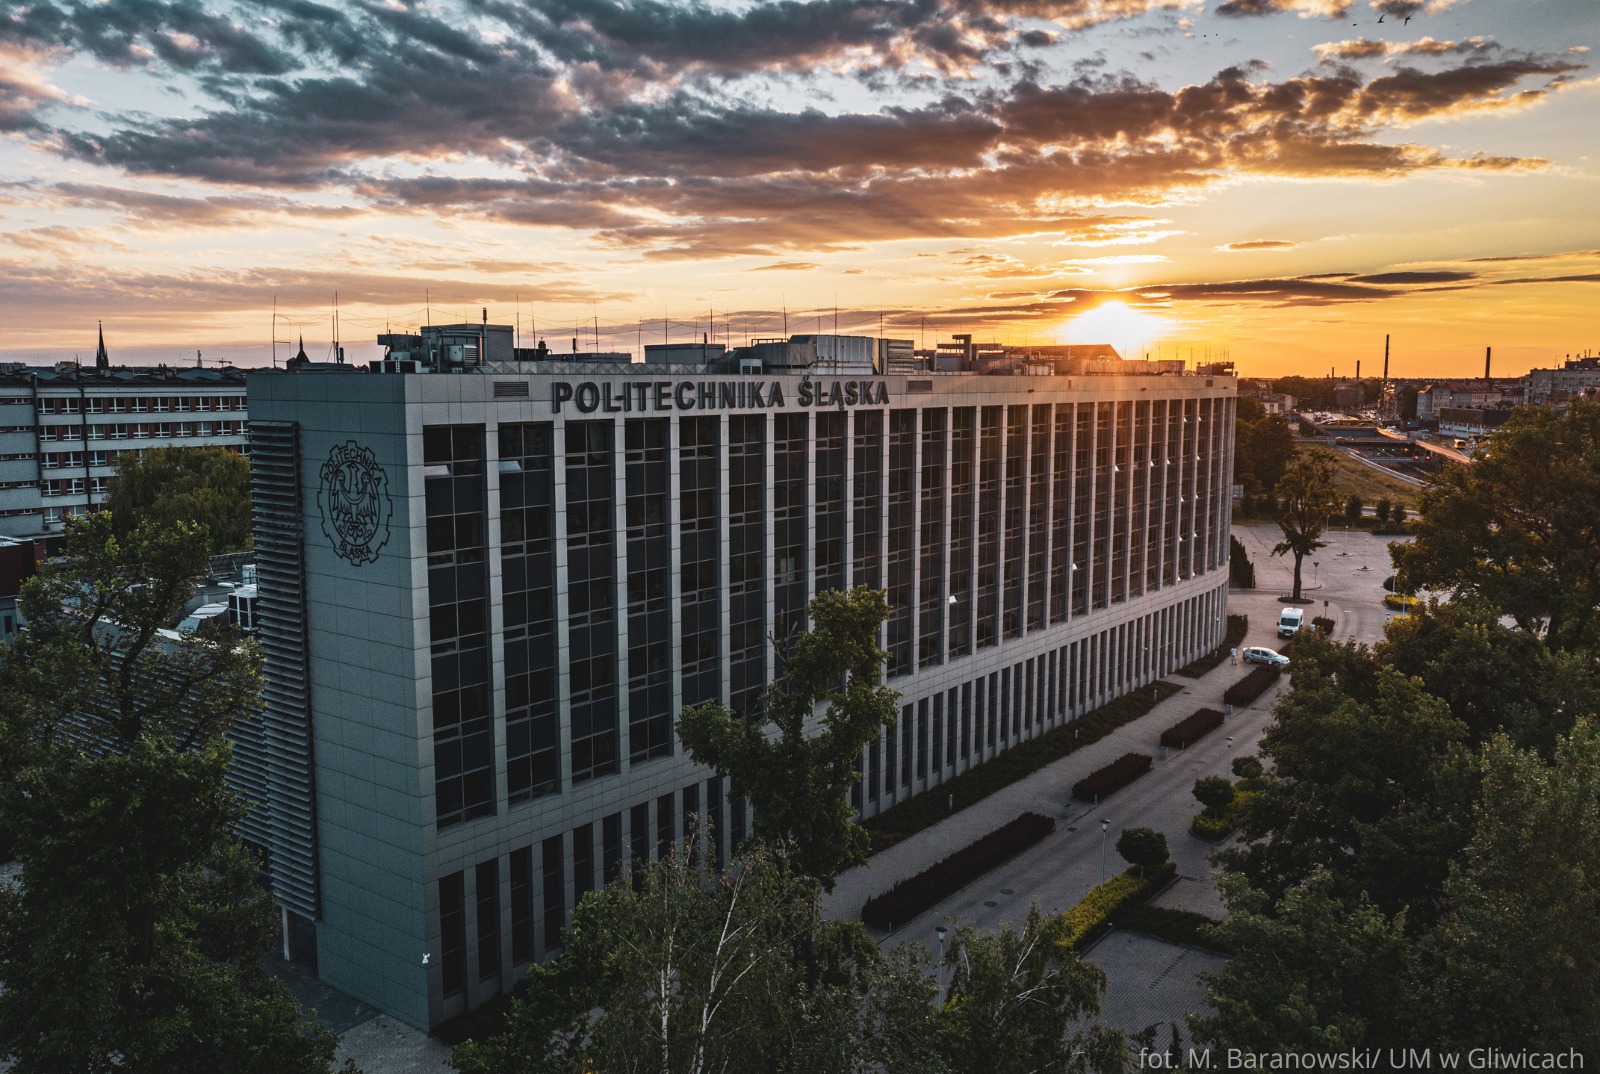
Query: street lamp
[1105,826]
[1314,565]
[939,931]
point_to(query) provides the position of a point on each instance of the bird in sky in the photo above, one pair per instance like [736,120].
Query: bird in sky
[1408,19]
[1380,18]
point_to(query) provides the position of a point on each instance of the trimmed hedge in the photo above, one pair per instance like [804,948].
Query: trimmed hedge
[1020,761]
[1252,685]
[1211,829]
[1323,624]
[1174,926]
[1113,777]
[1191,728]
[915,895]
[1400,602]
[1238,627]
[1095,911]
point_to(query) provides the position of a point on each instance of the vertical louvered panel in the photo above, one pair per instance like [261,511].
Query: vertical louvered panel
[285,732]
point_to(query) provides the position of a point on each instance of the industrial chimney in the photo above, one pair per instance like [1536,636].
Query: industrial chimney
[1486,352]
[1386,357]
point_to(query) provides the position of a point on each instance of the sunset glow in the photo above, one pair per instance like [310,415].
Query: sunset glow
[1283,181]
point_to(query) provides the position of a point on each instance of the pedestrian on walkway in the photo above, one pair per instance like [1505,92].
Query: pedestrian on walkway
[1233,655]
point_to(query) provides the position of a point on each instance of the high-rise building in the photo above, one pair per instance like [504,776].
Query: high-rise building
[485,596]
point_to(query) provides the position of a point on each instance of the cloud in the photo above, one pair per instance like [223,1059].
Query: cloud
[1439,276]
[1367,48]
[788,266]
[1258,244]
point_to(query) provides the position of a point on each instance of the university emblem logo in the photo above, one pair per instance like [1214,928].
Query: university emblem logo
[355,503]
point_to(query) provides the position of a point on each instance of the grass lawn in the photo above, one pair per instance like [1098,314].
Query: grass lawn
[1358,479]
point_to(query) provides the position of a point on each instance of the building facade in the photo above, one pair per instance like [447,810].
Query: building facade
[484,597]
[62,430]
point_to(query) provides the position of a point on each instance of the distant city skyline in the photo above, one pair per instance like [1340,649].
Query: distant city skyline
[1281,182]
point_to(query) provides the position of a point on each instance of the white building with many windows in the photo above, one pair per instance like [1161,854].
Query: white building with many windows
[485,596]
[63,428]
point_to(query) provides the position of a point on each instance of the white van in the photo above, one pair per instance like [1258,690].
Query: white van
[1289,620]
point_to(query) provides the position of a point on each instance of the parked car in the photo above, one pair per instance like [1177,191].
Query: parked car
[1289,620]
[1259,654]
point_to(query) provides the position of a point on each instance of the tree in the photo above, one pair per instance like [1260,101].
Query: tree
[797,782]
[1263,450]
[1144,847]
[1018,1002]
[1399,514]
[164,486]
[682,970]
[1520,949]
[1494,677]
[1215,793]
[1309,498]
[1352,510]
[1317,972]
[132,938]
[1517,527]
[1381,510]
[1241,572]
[1373,783]
[1248,768]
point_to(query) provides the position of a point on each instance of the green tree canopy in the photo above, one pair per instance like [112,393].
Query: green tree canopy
[1215,793]
[1315,972]
[1263,449]
[1520,527]
[205,485]
[1519,952]
[1309,497]
[131,940]
[797,782]
[1144,847]
[684,970]
[1372,782]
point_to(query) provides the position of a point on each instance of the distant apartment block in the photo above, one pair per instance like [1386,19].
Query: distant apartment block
[62,430]
[1574,375]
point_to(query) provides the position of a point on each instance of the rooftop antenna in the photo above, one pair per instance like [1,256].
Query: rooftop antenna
[427,300]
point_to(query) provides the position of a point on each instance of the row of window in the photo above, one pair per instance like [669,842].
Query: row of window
[74,486]
[141,430]
[137,404]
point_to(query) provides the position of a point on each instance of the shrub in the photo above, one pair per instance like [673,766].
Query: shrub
[1238,626]
[914,895]
[1252,685]
[1113,777]
[1174,926]
[1142,847]
[1191,728]
[1212,829]
[1324,625]
[1215,793]
[1400,602]
[1093,913]
[1248,767]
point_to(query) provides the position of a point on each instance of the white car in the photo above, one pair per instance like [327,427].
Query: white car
[1262,655]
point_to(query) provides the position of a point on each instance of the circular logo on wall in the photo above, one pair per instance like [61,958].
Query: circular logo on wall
[355,503]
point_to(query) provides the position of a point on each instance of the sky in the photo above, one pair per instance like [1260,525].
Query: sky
[1281,183]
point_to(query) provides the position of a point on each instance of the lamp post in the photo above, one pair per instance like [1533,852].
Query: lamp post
[939,931]
[1314,565]
[1105,826]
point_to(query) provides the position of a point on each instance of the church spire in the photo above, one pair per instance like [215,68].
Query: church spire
[300,359]
[101,361]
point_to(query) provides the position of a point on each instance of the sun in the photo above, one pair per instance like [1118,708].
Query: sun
[1113,322]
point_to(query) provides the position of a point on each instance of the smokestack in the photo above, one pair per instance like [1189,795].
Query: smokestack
[1386,357]
[1486,352]
[1358,370]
